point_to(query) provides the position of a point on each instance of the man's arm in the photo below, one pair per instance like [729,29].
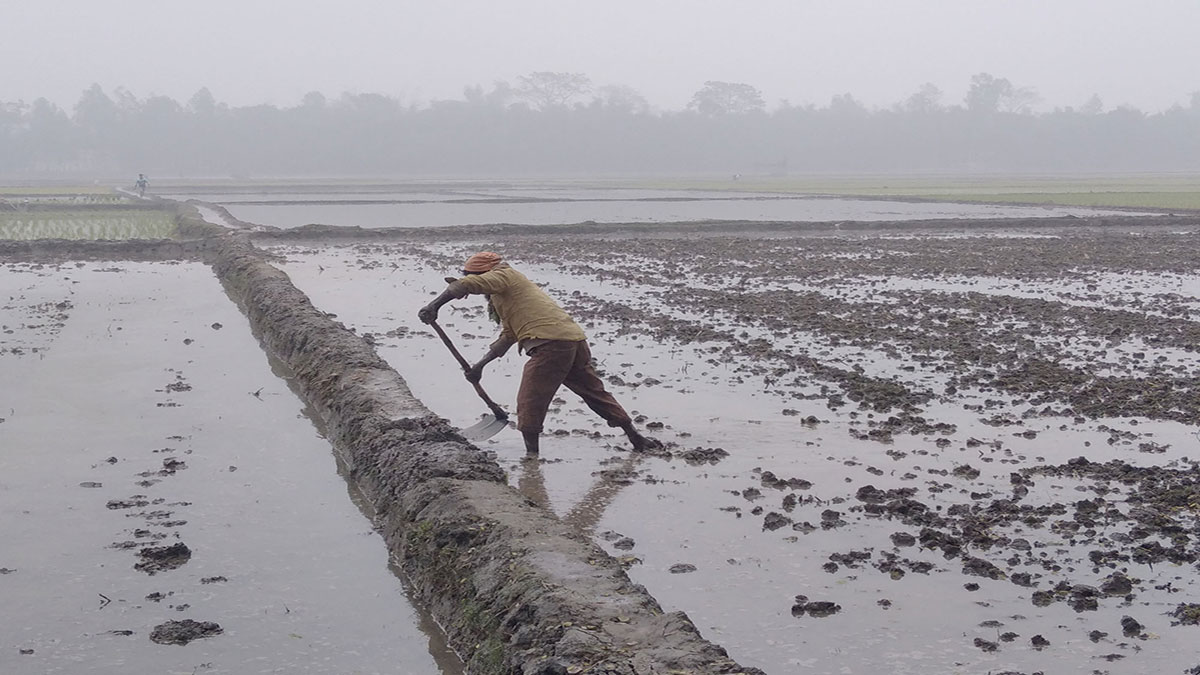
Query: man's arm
[454,291]
[499,348]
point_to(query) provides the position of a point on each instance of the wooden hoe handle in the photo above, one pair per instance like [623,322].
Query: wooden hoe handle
[496,409]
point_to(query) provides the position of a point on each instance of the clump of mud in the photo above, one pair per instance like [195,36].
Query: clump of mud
[183,632]
[1187,614]
[816,608]
[157,559]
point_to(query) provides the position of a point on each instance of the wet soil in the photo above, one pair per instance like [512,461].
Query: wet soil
[556,603]
[858,418]
[439,502]
[159,479]
[423,205]
[995,415]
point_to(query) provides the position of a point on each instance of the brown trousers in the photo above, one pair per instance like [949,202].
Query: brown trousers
[563,362]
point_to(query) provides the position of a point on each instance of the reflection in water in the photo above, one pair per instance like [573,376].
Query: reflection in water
[447,659]
[532,483]
[587,512]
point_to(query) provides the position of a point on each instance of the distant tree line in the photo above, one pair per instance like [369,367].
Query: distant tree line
[559,123]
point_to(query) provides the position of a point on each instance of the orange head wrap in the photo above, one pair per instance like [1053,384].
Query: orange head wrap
[483,261]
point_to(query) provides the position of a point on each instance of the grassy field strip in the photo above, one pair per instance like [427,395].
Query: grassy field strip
[66,200]
[137,225]
[53,191]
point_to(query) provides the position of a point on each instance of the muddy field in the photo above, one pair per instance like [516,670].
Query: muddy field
[959,449]
[424,204]
[169,505]
[904,447]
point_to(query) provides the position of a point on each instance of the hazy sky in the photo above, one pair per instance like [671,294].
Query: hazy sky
[1140,52]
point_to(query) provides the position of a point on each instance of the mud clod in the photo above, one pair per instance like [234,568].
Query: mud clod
[136,501]
[1117,584]
[697,456]
[1084,598]
[966,471]
[157,559]
[171,464]
[982,568]
[818,609]
[183,632]
[774,521]
[986,645]
[1131,627]
[1186,615]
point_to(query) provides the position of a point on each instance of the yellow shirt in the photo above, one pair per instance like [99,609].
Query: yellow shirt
[526,312]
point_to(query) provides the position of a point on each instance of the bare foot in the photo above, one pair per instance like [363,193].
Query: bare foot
[643,443]
[531,443]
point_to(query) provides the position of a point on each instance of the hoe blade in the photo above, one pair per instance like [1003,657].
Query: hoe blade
[484,429]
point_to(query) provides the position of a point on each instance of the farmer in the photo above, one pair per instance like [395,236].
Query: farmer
[557,348]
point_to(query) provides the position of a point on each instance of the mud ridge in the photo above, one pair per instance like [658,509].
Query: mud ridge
[516,590]
[60,250]
[720,228]
[232,220]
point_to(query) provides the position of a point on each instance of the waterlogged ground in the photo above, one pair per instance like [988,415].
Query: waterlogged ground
[465,203]
[168,506]
[967,454]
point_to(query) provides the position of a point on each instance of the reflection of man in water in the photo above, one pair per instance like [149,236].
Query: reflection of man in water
[141,184]
[590,508]
[557,348]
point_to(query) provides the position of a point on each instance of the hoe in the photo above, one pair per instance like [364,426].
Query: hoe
[491,424]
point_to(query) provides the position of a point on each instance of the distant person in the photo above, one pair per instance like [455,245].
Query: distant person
[556,346]
[141,184]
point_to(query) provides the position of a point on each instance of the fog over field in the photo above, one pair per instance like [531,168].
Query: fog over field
[540,86]
[1141,54]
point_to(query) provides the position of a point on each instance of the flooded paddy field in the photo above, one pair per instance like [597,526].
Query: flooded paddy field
[467,203]
[168,504]
[956,450]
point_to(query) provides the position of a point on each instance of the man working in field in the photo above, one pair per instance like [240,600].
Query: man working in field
[557,348]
